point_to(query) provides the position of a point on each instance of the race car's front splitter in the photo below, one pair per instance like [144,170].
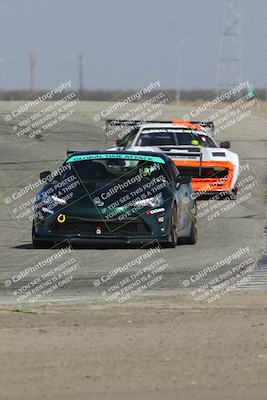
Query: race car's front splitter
[102,241]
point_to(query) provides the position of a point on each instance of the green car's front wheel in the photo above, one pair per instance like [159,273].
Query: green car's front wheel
[192,238]
[173,235]
[38,244]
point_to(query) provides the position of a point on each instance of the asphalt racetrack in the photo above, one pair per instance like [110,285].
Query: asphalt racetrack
[225,228]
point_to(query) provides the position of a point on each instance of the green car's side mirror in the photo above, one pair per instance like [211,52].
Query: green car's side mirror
[183,179]
[44,175]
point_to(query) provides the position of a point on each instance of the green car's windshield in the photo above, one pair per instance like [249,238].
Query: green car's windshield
[108,170]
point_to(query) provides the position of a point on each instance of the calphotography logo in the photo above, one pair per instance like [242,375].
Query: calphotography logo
[38,117]
[134,278]
[98,202]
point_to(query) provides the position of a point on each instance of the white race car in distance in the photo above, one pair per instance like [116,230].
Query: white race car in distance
[213,168]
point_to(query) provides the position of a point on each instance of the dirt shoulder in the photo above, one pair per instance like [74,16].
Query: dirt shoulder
[171,348]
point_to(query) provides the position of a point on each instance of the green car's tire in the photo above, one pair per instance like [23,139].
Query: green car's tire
[192,238]
[173,235]
[39,244]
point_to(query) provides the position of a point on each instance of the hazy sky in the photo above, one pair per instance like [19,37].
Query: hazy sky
[124,41]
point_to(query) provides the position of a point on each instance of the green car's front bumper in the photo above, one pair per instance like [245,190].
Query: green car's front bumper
[141,229]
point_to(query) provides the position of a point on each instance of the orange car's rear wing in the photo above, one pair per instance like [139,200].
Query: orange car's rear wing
[138,123]
[195,124]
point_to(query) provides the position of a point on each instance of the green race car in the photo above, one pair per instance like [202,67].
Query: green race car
[111,198]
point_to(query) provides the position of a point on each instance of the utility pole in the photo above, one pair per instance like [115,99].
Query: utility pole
[179,66]
[32,69]
[265,12]
[81,64]
[230,56]
[1,74]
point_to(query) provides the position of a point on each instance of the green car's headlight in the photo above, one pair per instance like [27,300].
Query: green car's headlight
[155,201]
[58,200]
[45,199]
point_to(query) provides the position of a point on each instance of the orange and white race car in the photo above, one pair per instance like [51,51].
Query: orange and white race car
[190,144]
